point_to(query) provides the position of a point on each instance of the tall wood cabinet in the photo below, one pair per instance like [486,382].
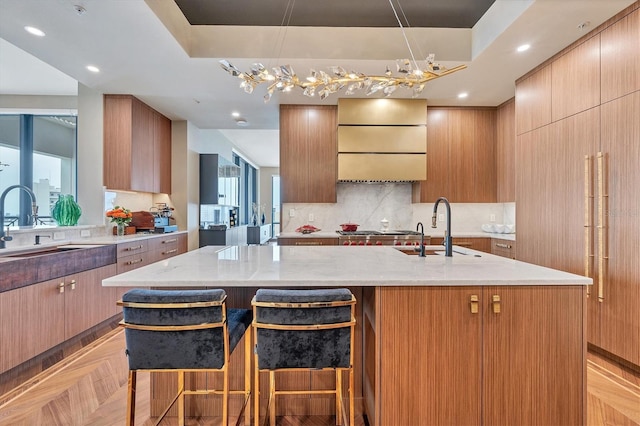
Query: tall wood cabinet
[577,210]
[461,156]
[506,152]
[137,146]
[308,153]
[449,358]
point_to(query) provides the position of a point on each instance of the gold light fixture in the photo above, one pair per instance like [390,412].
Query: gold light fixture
[283,78]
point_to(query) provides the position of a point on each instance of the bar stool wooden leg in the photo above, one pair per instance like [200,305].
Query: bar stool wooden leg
[225,397]
[181,398]
[256,392]
[131,400]
[352,415]
[247,377]
[338,396]
[272,398]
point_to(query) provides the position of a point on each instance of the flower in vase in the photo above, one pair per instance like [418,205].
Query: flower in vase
[120,215]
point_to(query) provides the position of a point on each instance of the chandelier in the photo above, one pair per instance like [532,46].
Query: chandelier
[282,78]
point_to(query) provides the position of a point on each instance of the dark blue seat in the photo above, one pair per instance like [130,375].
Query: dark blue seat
[183,330]
[304,330]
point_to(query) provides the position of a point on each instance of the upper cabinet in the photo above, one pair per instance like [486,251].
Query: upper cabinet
[137,146]
[461,156]
[533,101]
[219,181]
[308,153]
[575,80]
[620,51]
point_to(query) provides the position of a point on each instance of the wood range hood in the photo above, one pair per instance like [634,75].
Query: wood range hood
[382,140]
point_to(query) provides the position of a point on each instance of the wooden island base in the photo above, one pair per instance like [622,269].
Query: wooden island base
[445,355]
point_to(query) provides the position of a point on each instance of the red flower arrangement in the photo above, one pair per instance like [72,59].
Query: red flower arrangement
[120,215]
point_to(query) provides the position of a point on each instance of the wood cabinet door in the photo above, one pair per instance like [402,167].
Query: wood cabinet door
[117,142]
[506,153]
[533,101]
[534,352]
[87,302]
[620,322]
[32,321]
[430,365]
[322,150]
[294,161]
[161,153]
[620,50]
[142,147]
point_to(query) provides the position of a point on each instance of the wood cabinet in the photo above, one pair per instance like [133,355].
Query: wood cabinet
[504,248]
[38,317]
[620,50]
[137,146]
[308,153]
[558,189]
[506,152]
[461,156]
[307,241]
[438,346]
[474,243]
[533,100]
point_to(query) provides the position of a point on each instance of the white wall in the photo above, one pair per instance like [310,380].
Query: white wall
[265,190]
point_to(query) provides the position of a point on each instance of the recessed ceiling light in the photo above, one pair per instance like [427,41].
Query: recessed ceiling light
[242,122]
[523,47]
[93,68]
[35,31]
[463,95]
[235,114]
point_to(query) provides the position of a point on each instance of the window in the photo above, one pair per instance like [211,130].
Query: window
[38,152]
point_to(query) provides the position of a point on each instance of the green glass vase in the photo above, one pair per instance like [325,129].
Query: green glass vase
[66,211]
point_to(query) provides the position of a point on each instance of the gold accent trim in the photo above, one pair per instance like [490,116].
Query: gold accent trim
[304,327]
[602,251]
[382,112]
[304,304]
[382,167]
[172,305]
[382,139]
[474,302]
[171,327]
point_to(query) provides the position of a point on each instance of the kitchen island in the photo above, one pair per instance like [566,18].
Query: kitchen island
[468,339]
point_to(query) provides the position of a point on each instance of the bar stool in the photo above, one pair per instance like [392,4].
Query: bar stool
[184,331]
[304,330]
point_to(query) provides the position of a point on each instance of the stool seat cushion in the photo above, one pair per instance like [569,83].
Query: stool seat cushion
[238,321]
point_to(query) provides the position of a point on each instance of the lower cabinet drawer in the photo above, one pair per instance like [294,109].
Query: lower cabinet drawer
[504,248]
[128,263]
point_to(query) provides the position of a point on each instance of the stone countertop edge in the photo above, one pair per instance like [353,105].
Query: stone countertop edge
[464,234]
[332,266]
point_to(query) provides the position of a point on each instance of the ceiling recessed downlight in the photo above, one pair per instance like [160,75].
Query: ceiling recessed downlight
[463,95]
[235,114]
[523,47]
[93,68]
[35,31]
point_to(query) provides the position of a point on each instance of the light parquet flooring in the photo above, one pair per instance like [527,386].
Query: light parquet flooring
[90,387]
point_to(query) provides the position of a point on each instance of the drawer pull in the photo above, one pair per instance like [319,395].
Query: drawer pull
[72,284]
[61,287]
[133,262]
[496,303]
[474,303]
[308,243]
[502,245]
[170,241]
[170,251]
[134,248]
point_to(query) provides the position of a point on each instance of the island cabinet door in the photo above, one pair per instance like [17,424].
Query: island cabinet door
[429,341]
[534,353]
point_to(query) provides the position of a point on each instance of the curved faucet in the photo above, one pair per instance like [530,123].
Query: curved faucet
[420,227]
[448,247]
[34,208]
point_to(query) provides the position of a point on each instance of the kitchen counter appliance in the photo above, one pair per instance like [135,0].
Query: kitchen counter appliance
[378,238]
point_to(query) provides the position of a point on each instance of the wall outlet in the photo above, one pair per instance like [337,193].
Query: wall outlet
[441,217]
[310,217]
[85,233]
[492,218]
[58,235]
[292,212]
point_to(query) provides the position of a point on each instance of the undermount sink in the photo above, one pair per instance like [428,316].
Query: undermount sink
[428,252]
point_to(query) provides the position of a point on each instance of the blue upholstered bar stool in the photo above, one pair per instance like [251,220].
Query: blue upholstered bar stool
[184,331]
[304,330]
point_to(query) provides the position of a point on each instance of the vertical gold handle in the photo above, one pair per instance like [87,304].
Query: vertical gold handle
[61,287]
[588,219]
[474,303]
[72,284]
[602,249]
[495,302]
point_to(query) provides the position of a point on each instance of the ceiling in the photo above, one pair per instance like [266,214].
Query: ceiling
[148,48]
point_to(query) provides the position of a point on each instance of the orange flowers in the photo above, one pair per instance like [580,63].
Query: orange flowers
[120,215]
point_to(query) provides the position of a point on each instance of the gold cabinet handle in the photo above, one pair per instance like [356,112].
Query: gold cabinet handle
[474,302]
[134,248]
[169,241]
[588,217]
[170,251]
[502,245]
[72,284]
[133,262]
[602,226]
[495,302]
[61,287]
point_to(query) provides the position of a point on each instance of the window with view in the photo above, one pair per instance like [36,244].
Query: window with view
[38,152]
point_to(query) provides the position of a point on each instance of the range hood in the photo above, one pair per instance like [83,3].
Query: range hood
[382,140]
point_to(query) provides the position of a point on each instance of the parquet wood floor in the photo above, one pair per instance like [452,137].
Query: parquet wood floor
[90,386]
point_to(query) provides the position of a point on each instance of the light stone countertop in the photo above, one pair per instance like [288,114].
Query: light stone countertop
[462,234]
[331,266]
[319,234]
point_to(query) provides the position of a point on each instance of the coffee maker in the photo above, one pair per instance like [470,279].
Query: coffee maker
[163,222]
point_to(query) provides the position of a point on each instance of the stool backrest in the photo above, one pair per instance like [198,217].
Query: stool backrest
[304,328]
[175,329]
